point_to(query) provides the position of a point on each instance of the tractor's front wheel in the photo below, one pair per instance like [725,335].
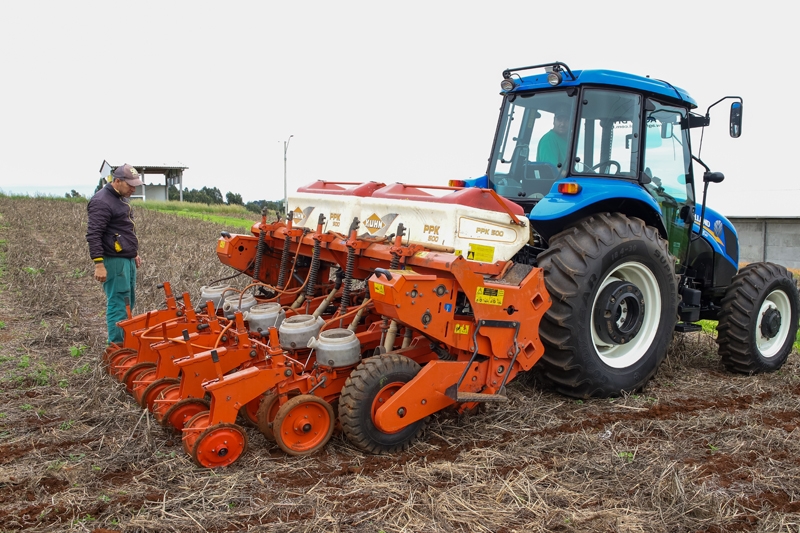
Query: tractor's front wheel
[614,292]
[758,321]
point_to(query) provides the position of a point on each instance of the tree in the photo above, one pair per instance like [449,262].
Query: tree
[234,198]
[73,194]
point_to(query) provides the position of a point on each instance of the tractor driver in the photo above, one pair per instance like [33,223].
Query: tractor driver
[553,145]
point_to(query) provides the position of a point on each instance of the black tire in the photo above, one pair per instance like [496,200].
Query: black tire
[758,321]
[360,391]
[606,276]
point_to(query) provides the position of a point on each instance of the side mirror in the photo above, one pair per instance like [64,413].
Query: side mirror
[736,119]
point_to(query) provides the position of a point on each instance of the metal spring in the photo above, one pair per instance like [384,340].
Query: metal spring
[262,236]
[284,262]
[313,272]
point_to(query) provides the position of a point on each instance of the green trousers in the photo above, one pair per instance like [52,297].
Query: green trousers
[120,285]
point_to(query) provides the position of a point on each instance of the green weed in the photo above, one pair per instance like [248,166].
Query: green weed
[32,271]
[2,324]
[24,361]
[66,425]
[82,369]
[77,351]
[626,456]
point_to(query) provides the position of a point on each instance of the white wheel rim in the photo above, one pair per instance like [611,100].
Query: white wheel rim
[625,355]
[779,301]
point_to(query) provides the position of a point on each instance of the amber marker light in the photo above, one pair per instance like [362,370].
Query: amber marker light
[569,187]
[457,183]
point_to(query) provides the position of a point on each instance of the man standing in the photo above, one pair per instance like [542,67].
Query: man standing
[113,245]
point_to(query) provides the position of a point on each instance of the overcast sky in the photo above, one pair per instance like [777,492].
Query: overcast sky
[401,91]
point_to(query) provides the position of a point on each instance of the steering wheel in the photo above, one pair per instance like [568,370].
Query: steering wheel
[607,162]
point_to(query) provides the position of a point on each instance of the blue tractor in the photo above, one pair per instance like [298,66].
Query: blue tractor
[601,162]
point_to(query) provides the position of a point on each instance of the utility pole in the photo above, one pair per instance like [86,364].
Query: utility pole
[285,194]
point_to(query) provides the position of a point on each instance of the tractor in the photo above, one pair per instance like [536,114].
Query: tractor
[373,306]
[601,162]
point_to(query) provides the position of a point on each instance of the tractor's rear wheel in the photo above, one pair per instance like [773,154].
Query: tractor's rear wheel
[758,321]
[614,292]
[374,381]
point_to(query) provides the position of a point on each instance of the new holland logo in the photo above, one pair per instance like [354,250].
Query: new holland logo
[373,224]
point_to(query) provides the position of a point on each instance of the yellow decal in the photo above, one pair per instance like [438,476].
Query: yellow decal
[461,329]
[421,254]
[221,243]
[480,252]
[457,252]
[485,295]
[373,223]
[379,288]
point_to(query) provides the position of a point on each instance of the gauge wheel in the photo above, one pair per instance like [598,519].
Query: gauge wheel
[615,295]
[758,321]
[374,381]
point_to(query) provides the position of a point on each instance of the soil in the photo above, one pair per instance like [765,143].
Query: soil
[698,450]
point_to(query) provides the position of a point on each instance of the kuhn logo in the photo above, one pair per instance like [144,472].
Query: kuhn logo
[297,215]
[373,224]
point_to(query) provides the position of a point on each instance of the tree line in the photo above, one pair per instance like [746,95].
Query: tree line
[208,196]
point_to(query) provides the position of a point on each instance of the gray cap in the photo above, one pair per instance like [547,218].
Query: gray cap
[129,174]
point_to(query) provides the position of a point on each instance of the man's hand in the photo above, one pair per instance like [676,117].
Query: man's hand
[138,261]
[100,273]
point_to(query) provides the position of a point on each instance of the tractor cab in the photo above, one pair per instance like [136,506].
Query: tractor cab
[619,138]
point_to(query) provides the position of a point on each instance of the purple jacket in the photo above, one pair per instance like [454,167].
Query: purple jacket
[111,231]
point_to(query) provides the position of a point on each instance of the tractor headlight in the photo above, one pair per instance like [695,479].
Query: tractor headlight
[554,78]
[508,84]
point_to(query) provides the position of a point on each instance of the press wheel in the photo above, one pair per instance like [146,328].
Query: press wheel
[249,411]
[193,428]
[116,352]
[219,445]
[266,415]
[153,390]
[134,371]
[164,401]
[179,414]
[303,425]
[121,364]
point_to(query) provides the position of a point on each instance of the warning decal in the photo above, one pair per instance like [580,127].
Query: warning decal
[480,252]
[461,329]
[379,289]
[485,295]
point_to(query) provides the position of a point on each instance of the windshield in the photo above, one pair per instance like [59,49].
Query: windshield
[533,143]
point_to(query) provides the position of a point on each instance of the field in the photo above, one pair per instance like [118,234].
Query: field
[698,450]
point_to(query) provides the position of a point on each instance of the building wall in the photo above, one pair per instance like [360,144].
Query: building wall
[769,239]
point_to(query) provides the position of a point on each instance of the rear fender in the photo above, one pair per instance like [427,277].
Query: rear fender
[556,211]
